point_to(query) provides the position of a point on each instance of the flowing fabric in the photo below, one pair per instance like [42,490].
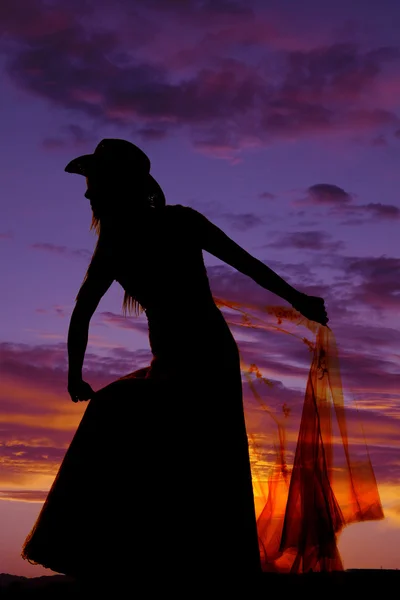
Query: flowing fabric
[303,506]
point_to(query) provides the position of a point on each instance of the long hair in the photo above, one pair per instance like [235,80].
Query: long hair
[154,199]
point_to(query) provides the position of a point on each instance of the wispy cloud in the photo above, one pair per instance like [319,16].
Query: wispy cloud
[378,282]
[72,135]
[244,221]
[382,211]
[267,196]
[136,323]
[7,235]
[24,495]
[307,240]
[62,250]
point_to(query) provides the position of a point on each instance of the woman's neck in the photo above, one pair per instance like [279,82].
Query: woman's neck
[137,215]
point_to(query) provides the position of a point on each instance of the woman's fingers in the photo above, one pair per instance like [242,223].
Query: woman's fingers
[313,308]
[81,391]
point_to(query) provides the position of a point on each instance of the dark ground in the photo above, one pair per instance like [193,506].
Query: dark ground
[354,584]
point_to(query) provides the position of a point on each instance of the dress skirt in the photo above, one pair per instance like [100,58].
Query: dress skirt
[156,479]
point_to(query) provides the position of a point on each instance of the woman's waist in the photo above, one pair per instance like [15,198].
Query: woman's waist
[182,321]
[183,358]
[194,332]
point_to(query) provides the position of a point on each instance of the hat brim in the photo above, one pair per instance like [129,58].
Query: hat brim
[82,165]
[87,163]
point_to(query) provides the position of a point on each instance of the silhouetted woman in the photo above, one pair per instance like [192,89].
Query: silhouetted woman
[157,477]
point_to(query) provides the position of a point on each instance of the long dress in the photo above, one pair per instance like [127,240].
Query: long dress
[143,485]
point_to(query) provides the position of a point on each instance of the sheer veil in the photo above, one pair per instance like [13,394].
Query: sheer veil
[311,470]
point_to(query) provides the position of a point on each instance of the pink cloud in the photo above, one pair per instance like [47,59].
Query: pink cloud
[59,311]
[24,495]
[138,324]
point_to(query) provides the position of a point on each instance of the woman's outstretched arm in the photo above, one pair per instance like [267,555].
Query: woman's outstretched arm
[215,241]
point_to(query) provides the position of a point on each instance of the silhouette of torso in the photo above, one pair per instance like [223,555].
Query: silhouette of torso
[159,261]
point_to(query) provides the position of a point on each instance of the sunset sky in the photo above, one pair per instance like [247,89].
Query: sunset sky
[280,124]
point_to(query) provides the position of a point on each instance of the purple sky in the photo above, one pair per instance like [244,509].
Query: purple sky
[282,125]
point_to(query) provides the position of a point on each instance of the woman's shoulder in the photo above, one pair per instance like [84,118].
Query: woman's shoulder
[181,211]
[184,219]
[189,219]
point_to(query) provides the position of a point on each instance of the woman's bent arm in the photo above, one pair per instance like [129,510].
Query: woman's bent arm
[90,294]
[78,334]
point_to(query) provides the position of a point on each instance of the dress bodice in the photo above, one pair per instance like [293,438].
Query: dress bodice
[159,262]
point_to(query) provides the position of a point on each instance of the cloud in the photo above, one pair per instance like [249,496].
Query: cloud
[307,240]
[226,101]
[243,222]
[62,250]
[51,143]
[382,211]
[379,140]
[198,8]
[358,214]
[340,69]
[379,285]
[152,133]
[71,135]
[340,203]
[226,7]
[135,323]
[58,311]
[267,196]
[328,193]
[24,495]
[31,20]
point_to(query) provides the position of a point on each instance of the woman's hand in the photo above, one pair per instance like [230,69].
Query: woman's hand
[79,390]
[311,307]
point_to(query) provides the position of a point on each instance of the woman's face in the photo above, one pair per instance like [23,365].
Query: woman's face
[93,190]
[100,185]
[96,193]
[101,188]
